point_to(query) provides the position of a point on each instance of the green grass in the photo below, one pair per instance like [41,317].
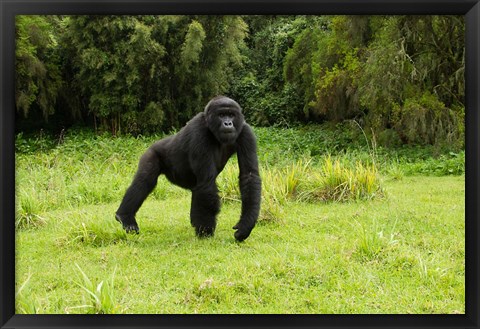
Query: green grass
[398,251]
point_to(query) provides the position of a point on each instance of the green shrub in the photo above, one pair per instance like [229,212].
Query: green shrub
[446,164]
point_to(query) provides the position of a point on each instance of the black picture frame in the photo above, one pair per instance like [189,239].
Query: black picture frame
[9,8]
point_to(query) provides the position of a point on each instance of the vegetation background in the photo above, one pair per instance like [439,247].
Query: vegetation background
[360,128]
[402,76]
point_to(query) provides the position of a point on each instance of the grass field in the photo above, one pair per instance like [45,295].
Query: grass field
[398,251]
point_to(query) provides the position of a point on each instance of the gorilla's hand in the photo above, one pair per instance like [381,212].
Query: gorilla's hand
[241,232]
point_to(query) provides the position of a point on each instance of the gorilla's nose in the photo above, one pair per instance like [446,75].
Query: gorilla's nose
[228,124]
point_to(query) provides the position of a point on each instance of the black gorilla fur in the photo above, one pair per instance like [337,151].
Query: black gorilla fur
[192,159]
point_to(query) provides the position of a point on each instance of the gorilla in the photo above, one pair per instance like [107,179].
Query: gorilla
[192,159]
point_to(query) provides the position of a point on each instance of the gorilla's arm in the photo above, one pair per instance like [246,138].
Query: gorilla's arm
[250,183]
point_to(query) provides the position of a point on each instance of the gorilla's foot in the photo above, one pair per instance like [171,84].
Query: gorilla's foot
[204,232]
[130,226]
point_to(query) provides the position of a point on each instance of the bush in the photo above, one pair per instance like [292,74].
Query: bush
[446,164]
[425,120]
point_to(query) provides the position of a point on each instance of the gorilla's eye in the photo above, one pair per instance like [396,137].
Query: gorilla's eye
[224,115]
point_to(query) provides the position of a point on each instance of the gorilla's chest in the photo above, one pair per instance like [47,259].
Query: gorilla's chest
[222,155]
[187,170]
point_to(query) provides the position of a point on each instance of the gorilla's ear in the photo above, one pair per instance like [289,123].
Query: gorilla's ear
[207,107]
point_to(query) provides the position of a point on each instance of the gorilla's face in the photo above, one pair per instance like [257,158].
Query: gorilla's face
[224,119]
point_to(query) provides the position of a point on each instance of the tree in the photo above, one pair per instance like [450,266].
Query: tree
[404,73]
[146,73]
[114,59]
[38,78]
[260,87]
[413,78]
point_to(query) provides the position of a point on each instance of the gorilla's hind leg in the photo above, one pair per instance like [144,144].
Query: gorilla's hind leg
[128,222]
[204,209]
[142,185]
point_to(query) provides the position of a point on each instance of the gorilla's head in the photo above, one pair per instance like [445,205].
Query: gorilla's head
[224,119]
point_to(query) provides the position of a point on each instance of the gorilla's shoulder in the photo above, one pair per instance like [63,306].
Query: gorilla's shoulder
[193,129]
[198,118]
[195,123]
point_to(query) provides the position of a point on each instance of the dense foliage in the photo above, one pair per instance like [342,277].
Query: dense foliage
[400,77]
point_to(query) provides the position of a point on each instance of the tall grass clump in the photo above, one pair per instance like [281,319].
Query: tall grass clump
[375,241]
[94,232]
[278,186]
[273,196]
[283,184]
[228,182]
[99,298]
[336,182]
[371,243]
[272,190]
[28,210]
[332,180]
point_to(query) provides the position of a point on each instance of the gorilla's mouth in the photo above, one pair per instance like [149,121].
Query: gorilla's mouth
[228,136]
[227,131]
